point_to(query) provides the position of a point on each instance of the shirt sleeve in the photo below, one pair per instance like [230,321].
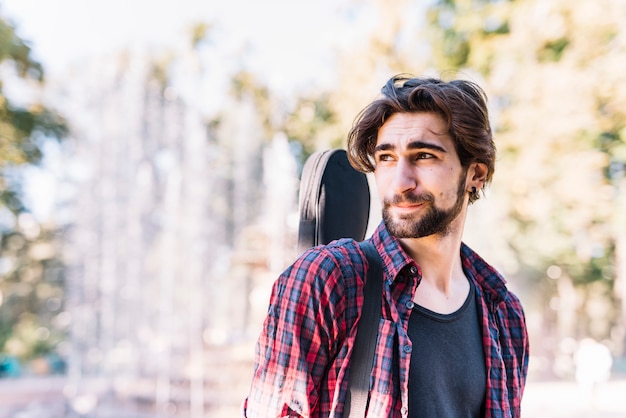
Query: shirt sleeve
[515,351]
[304,320]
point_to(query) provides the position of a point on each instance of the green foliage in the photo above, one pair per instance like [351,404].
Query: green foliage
[552,50]
[311,123]
[456,48]
[32,291]
[14,49]
[22,129]
[11,199]
[200,34]
[31,282]
[461,32]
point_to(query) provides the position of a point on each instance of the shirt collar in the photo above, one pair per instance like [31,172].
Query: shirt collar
[393,256]
[484,275]
[395,259]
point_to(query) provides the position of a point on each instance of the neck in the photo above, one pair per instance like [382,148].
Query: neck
[439,257]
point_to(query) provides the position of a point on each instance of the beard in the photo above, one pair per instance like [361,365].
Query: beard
[434,221]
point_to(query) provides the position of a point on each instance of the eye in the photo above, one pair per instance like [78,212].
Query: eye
[424,156]
[384,157]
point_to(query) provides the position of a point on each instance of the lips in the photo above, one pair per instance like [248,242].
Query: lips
[407,205]
[408,201]
[404,209]
[403,205]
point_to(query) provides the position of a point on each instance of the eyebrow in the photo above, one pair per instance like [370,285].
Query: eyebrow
[413,145]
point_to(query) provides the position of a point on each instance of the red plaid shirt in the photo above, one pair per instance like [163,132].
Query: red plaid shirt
[302,356]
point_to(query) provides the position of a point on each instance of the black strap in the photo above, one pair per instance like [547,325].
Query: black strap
[362,359]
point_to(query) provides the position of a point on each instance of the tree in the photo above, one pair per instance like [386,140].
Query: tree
[31,291]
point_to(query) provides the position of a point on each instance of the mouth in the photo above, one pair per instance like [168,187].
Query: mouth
[407,205]
[406,208]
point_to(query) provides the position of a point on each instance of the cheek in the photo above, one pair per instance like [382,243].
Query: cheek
[381,173]
[381,180]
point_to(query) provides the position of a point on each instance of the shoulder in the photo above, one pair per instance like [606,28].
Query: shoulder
[512,313]
[494,287]
[513,303]
[324,268]
[512,317]
[340,255]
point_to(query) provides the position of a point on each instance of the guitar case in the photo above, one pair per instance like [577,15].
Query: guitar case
[334,200]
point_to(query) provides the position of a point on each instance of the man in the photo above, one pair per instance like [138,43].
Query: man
[452,340]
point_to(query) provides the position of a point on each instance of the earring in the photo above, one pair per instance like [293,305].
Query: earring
[474,194]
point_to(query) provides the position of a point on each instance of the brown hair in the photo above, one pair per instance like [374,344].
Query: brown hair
[462,105]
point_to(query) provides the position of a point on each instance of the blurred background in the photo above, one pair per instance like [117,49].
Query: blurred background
[150,154]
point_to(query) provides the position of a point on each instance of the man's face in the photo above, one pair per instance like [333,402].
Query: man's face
[419,176]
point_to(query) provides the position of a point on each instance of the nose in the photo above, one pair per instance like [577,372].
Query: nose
[404,178]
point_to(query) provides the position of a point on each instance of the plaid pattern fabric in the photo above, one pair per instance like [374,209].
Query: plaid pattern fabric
[302,356]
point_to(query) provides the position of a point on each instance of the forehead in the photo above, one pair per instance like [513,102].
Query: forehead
[403,128]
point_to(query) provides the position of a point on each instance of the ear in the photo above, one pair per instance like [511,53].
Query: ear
[476,175]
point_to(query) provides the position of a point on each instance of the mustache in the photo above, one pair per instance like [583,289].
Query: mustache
[409,199]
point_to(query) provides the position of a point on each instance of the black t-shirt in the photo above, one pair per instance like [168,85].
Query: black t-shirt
[447,376]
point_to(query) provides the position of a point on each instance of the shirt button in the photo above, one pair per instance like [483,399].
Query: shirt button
[413,270]
[407,349]
[404,410]
[410,304]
